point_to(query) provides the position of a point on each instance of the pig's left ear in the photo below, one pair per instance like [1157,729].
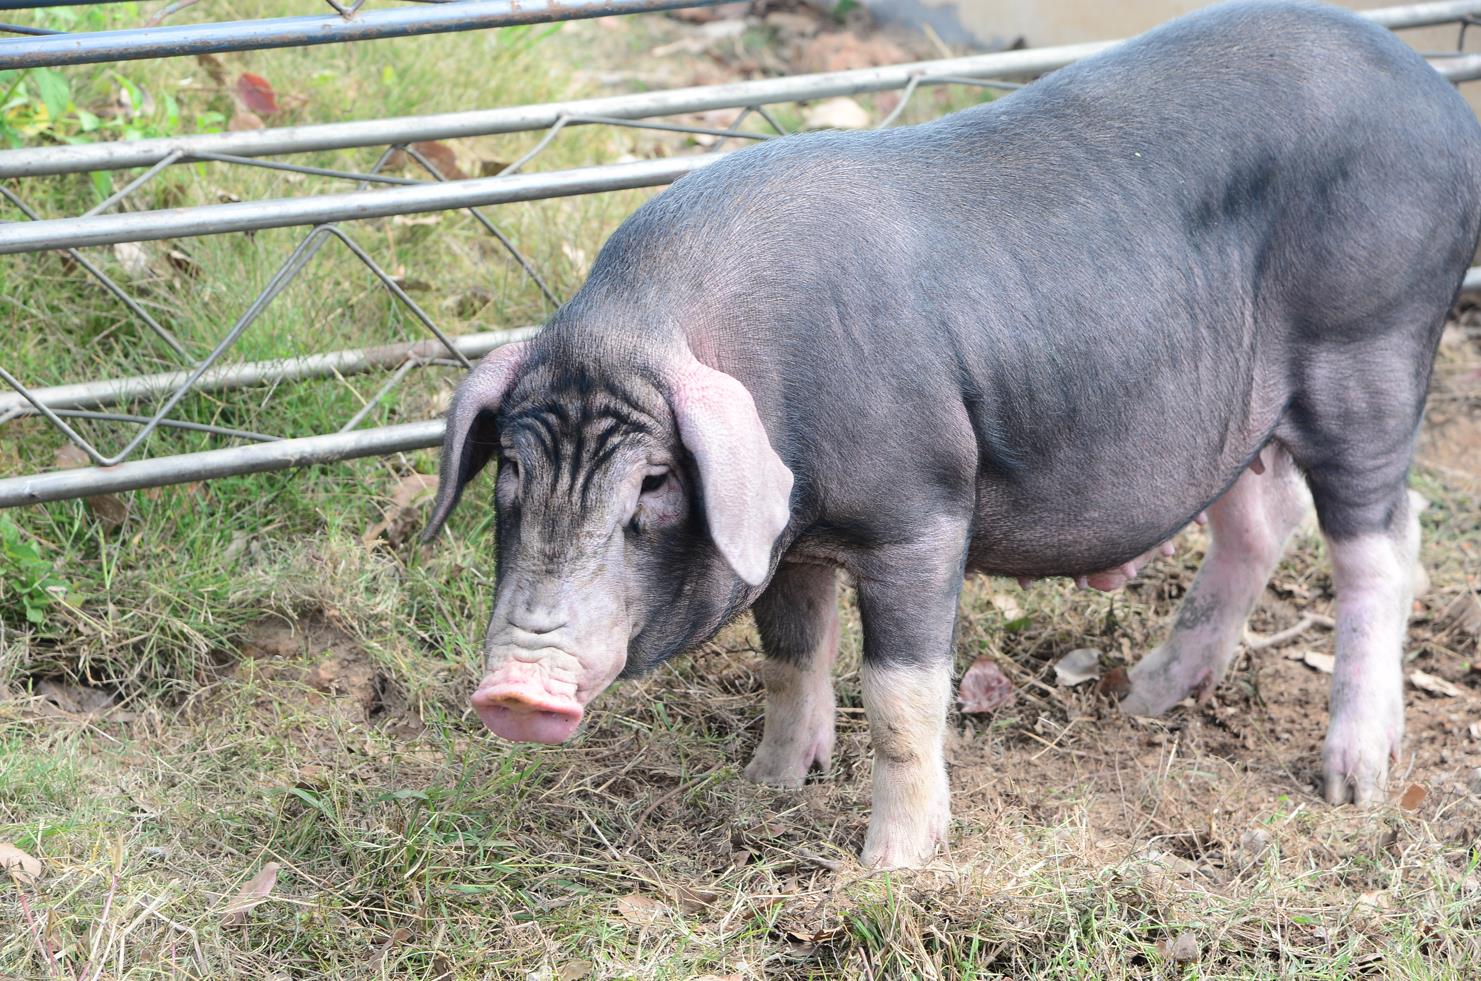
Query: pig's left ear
[469,440]
[746,486]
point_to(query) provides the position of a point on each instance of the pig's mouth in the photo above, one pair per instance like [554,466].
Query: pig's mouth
[526,712]
[539,697]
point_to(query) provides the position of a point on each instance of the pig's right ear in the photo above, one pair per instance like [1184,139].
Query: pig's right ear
[469,440]
[745,485]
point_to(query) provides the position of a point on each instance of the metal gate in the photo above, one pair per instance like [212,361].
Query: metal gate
[331,219]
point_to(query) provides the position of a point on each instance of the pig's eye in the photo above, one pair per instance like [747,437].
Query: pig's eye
[511,465]
[654,481]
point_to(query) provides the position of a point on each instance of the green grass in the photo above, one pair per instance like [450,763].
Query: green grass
[411,845]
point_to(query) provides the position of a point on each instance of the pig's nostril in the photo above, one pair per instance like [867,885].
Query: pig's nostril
[531,622]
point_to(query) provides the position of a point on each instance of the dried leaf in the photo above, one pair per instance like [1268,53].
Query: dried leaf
[692,900]
[1433,684]
[253,893]
[820,936]
[70,456]
[182,263]
[111,510]
[134,260]
[1463,614]
[398,936]
[838,113]
[1413,797]
[1006,605]
[1321,662]
[79,700]
[984,688]
[641,910]
[1116,684]
[1182,950]
[21,866]
[575,970]
[440,156]
[256,94]
[243,120]
[215,70]
[411,491]
[1077,667]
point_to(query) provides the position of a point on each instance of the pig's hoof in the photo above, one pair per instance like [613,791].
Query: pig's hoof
[783,763]
[1356,756]
[906,844]
[1157,684]
[899,851]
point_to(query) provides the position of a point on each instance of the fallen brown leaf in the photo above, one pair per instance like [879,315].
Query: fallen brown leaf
[256,94]
[21,866]
[215,70]
[641,910]
[1433,684]
[1413,797]
[1181,950]
[692,900]
[575,970]
[1077,667]
[984,688]
[244,120]
[1116,683]
[1464,614]
[410,492]
[440,156]
[256,891]
[1321,662]
[820,936]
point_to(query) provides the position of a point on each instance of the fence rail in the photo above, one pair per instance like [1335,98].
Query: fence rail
[398,195]
[289,32]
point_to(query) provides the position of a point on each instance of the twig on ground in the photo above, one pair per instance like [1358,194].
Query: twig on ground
[1258,642]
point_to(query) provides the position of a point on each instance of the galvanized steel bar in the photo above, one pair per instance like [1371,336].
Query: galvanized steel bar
[292,32]
[244,216]
[256,458]
[43,161]
[90,395]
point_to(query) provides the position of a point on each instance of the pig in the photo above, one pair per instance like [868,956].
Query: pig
[1204,271]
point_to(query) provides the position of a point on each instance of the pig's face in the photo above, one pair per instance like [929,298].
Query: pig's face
[624,532]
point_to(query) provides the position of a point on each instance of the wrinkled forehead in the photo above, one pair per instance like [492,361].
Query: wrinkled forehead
[580,422]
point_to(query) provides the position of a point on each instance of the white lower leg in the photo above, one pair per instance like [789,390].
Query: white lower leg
[1373,576]
[907,706]
[798,732]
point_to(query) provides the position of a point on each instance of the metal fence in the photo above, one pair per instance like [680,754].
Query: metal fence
[127,466]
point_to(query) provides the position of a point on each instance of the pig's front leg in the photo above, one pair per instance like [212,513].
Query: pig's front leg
[798,620]
[908,619]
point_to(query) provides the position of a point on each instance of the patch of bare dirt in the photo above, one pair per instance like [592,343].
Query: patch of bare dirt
[314,664]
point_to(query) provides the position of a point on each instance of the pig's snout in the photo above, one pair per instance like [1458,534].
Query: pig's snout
[516,702]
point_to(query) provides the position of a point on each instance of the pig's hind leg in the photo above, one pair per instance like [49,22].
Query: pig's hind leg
[1371,525]
[797,617]
[1248,528]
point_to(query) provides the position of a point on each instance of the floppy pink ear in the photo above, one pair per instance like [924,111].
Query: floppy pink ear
[469,439]
[746,486]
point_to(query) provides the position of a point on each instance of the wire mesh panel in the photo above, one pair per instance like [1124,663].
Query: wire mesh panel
[350,229]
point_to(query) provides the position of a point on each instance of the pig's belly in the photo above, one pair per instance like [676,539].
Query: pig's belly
[1029,530]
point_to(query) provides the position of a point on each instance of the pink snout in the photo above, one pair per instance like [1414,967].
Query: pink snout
[517,704]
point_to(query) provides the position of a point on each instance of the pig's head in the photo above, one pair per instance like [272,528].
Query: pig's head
[636,511]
